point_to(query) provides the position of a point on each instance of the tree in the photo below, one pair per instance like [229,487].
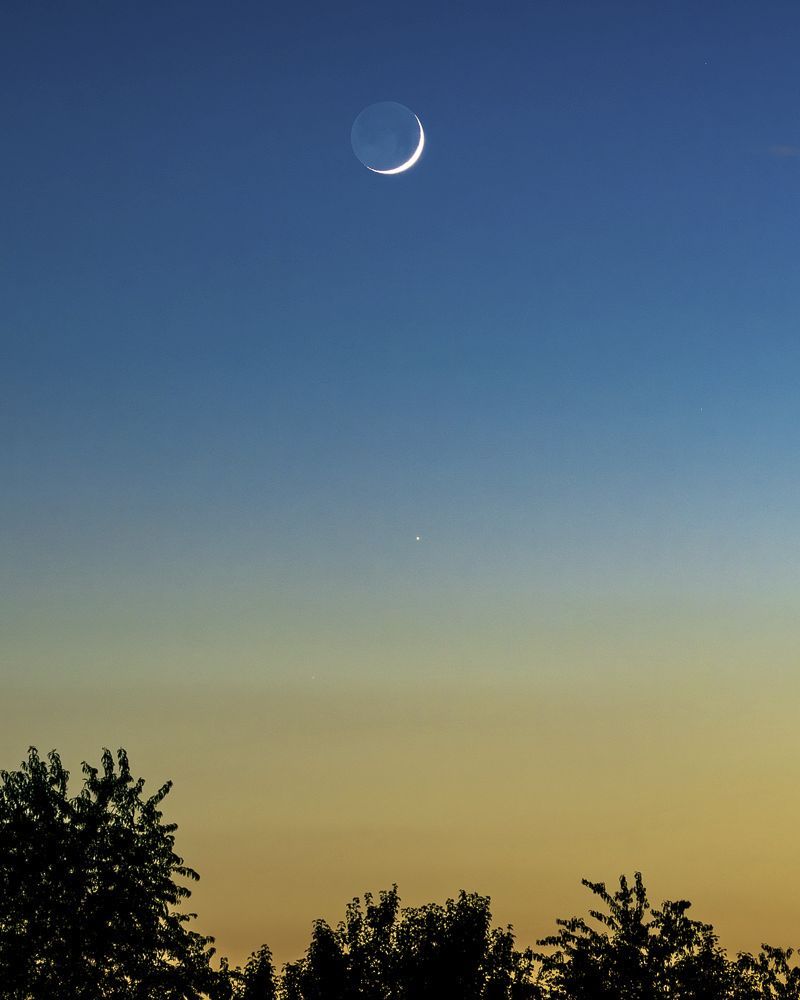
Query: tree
[323,974]
[432,952]
[443,949]
[768,976]
[91,891]
[89,903]
[637,954]
[509,974]
[257,981]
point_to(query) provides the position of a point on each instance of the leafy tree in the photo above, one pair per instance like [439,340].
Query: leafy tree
[685,957]
[382,952]
[366,937]
[323,973]
[256,981]
[443,949]
[259,976]
[90,909]
[89,905]
[509,973]
[636,954]
[291,981]
[770,975]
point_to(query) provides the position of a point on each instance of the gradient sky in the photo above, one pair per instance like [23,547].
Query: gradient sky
[239,374]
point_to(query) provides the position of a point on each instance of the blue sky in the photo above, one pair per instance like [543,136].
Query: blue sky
[591,274]
[239,375]
[587,287]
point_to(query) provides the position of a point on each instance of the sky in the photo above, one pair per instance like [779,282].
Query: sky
[240,375]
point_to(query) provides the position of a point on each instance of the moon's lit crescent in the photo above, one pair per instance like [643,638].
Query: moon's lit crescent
[410,161]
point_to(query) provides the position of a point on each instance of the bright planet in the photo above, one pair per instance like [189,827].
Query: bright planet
[387,138]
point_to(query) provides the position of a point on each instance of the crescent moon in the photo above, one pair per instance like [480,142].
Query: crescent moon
[411,160]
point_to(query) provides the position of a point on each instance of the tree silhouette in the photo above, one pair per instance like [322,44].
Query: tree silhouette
[90,909]
[89,905]
[256,982]
[432,952]
[769,975]
[639,953]
[323,974]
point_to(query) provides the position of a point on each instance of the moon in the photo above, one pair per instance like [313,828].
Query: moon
[410,161]
[388,138]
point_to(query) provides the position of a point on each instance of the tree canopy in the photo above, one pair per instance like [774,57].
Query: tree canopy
[89,897]
[381,951]
[639,953]
[91,894]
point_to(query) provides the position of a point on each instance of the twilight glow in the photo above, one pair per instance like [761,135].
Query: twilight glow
[441,532]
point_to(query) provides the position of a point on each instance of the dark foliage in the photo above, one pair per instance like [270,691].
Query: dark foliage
[89,905]
[255,982]
[91,890]
[639,953]
[382,952]
[770,975]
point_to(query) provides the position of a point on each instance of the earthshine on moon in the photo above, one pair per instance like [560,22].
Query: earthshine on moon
[388,138]
[411,160]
